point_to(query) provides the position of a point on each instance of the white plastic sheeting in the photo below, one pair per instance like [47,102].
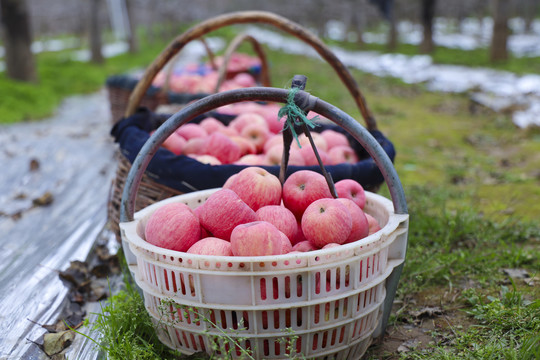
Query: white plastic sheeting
[499,90]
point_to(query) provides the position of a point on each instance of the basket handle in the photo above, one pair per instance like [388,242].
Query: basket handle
[212,59]
[233,46]
[243,17]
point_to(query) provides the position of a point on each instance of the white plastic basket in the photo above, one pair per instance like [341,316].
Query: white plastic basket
[329,300]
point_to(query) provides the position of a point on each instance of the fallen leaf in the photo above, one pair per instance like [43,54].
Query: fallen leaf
[427,312]
[44,200]
[408,346]
[532,281]
[54,343]
[516,273]
[34,164]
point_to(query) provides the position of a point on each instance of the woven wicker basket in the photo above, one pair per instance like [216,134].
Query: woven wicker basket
[153,191]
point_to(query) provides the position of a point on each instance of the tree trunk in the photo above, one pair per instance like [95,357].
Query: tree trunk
[392,34]
[95,33]
[132,36]
[20,63]
[499,39]
[428,12]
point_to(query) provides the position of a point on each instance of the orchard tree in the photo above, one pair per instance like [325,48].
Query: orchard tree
[96,56]
[20,63]
[499,50]
[428,12]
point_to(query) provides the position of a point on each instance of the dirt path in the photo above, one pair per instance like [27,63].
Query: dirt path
[55,180]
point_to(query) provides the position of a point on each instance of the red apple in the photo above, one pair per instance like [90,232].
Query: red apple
[274,154]
[302,188]
[256,134]
[195,146]
[175,144]
[211,125]
[173,226]
[342,154]
[286,246]
[256,187]
[189,131]
[280,217]
[206,159]
[318,140]
[246,146]
[360,226]
[223,211]
[211,246]
[258,238]
[334,138]
[309,155]
[304,246]
[248,118]
[373,224]
[223,148]
[299,235]
[251,159]
[351,189]
[141,225]
[273,140]
[326,221]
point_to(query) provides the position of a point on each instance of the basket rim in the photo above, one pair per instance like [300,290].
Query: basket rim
[129,234]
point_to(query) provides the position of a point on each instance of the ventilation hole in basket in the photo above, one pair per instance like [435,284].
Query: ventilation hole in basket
[229,265]
[263,288]
[298,261]
[315,342]
[342,334]
[336,310]
[333,338]
[223,319]
[274,263]
[191,285]
[361,267]
[317,258]
[238,351]
[276,319]
[347,275]
[317,314]
[277,347]
[180,260]
[317,283]
[164,256]
[178,337]
[264,320]
[275,288]
[172,258]
[217,346]
[213,318]
[266,347]
[234,320]
[299,317]
[365,299]
[288,318]
[287,287]
[324,340]
[197,318]
[218,265]
[371,295]
[186,343]
[299,345]
[338,278]
[201,343]
[286,262]
[190,262]
[166,279]
[327,311]
[241,265]
[193,342]
[328,280]
[361,326]
[244,321]
[199,201]
[207,263]
[182,284]
[248,346]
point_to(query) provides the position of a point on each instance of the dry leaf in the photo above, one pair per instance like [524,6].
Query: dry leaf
[54,343]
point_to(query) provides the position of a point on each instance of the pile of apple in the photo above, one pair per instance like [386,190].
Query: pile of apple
[196,79]
[254,215]
[254,138]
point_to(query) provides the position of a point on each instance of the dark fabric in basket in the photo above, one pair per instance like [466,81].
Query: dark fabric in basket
[186,174]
